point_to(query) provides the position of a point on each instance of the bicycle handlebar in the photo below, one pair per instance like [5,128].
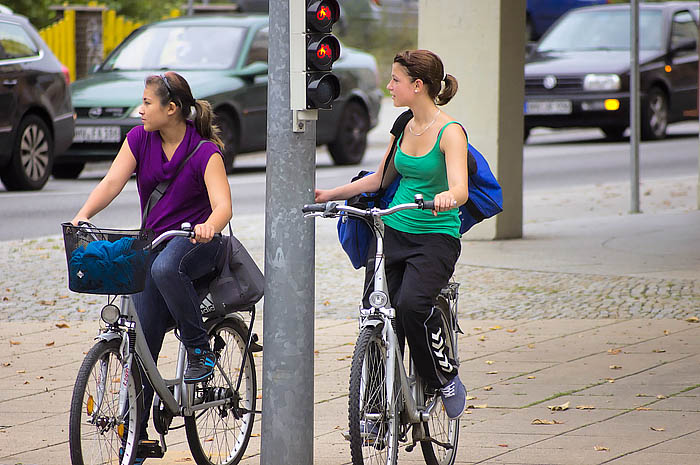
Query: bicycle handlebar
[331,209]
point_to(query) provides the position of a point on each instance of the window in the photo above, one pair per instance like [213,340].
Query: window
[683,29]
[16,43]
[258,48]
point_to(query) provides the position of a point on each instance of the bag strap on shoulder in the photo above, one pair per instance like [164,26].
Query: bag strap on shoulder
[160,189]
[396,130]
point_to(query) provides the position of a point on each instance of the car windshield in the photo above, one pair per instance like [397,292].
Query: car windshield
[179,47]
[603,30]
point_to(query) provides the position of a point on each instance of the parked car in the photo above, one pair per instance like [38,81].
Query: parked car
[231,74]
[36,115]
[540,14]
[579,73]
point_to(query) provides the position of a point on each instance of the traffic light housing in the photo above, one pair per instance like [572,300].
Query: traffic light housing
[313,50]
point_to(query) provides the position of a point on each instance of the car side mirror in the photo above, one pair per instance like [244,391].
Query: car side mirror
[530,47]
[94,69]
[684,45]
[254,69]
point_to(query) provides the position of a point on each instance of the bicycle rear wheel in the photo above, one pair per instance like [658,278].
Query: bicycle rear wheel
[219,435]
[95,429]
[440,427]
[374,421]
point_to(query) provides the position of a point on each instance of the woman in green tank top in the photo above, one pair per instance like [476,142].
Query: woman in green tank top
[421,247]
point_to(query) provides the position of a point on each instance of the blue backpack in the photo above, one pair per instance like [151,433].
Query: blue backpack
[485,200]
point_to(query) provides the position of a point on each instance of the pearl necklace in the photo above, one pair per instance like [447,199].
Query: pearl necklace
[410,128]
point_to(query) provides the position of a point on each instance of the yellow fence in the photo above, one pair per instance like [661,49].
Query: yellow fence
[60,37]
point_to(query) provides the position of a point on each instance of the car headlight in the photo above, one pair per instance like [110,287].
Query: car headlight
[135,112]
[601,82]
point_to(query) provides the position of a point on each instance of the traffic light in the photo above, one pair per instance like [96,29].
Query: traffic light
[322,49]
[313,50]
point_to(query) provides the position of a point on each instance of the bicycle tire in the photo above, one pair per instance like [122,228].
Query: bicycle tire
[94,428]
[439,426]
[219,436]
[368,401]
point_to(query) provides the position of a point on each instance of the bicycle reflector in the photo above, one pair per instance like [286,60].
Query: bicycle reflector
[110,314]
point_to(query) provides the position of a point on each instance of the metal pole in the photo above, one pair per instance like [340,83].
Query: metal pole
[288,319]
[634,106]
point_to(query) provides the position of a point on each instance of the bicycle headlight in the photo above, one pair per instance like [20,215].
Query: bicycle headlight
[110,314]
[601,82]
[378,299]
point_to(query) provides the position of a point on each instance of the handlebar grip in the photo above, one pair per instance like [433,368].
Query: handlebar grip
[428,205]
[314,207]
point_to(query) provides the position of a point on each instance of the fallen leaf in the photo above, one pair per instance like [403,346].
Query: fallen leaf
[255,435]
[21,371]
[538,421]
[531,377]
[666,332]
[614,351]
[692,319]
[495,327]
[490,362]
[482,338]
[81,310]
[49,344]
[6,364]
[26,382]
[47,302]
[661,396]
[326,303]
[208,439]
[488,388]
[642,408]
[585,407]
[491,372]
[556,408]
[531,346]
[183,459]
[39,377]
[503,445]
[615,367]
[610,380]
[471,397]
[511,330]
[62,325]
[478,328]
[659,351]
[600,448]
[480,406]
[654,428]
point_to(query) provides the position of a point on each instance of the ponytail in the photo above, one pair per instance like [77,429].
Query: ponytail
[448,91]
[203,122]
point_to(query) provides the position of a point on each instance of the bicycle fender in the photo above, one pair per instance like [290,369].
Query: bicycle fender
[108,336]
[371,322]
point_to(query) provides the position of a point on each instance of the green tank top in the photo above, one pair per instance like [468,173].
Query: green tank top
[427,175]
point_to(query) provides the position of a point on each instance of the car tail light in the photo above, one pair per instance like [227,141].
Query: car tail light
[66,74]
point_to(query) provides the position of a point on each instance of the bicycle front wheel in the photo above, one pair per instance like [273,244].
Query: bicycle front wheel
[219,435]
[96,432]
[444,431]
[373,415]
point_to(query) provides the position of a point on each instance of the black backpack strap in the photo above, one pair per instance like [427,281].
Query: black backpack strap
[396,130]
[160,189]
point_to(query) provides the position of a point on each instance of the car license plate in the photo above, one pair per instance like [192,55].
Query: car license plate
[548,107]
[97,134]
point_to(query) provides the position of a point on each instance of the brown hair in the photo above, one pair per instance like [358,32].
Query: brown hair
[171,87]
[427,66]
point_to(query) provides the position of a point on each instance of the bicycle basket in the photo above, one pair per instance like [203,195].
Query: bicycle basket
[106,261]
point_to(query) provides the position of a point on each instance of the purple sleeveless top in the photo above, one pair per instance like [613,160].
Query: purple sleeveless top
[186,199]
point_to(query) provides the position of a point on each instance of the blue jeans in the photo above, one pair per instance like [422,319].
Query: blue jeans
[169,299]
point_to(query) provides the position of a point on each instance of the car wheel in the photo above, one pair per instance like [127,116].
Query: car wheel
[655,115]
[613,132]
[67,170]
[229,135]
[32,156]
[350,143]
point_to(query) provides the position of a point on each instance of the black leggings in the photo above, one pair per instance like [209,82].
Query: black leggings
[417,267]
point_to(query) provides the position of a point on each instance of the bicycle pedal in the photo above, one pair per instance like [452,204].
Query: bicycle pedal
[149,448]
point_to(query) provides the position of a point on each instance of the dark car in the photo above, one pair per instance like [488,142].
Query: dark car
[231,73]
[540,14]
[36,115]
[579,73]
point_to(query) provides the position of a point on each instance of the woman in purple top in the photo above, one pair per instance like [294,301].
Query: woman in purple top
[199,195]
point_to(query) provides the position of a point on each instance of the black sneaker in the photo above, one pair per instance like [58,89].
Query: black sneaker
[200,365]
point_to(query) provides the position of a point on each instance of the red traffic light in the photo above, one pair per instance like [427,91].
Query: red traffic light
[322,52]
[321,15]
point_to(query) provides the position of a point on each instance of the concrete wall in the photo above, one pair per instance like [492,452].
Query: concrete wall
[482,44]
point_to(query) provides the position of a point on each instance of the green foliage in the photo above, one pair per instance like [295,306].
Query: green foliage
[41,15]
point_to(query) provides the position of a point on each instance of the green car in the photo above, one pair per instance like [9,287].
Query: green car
[224,59]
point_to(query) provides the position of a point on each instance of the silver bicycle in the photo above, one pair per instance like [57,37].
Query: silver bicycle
[387,404]
[107,402]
